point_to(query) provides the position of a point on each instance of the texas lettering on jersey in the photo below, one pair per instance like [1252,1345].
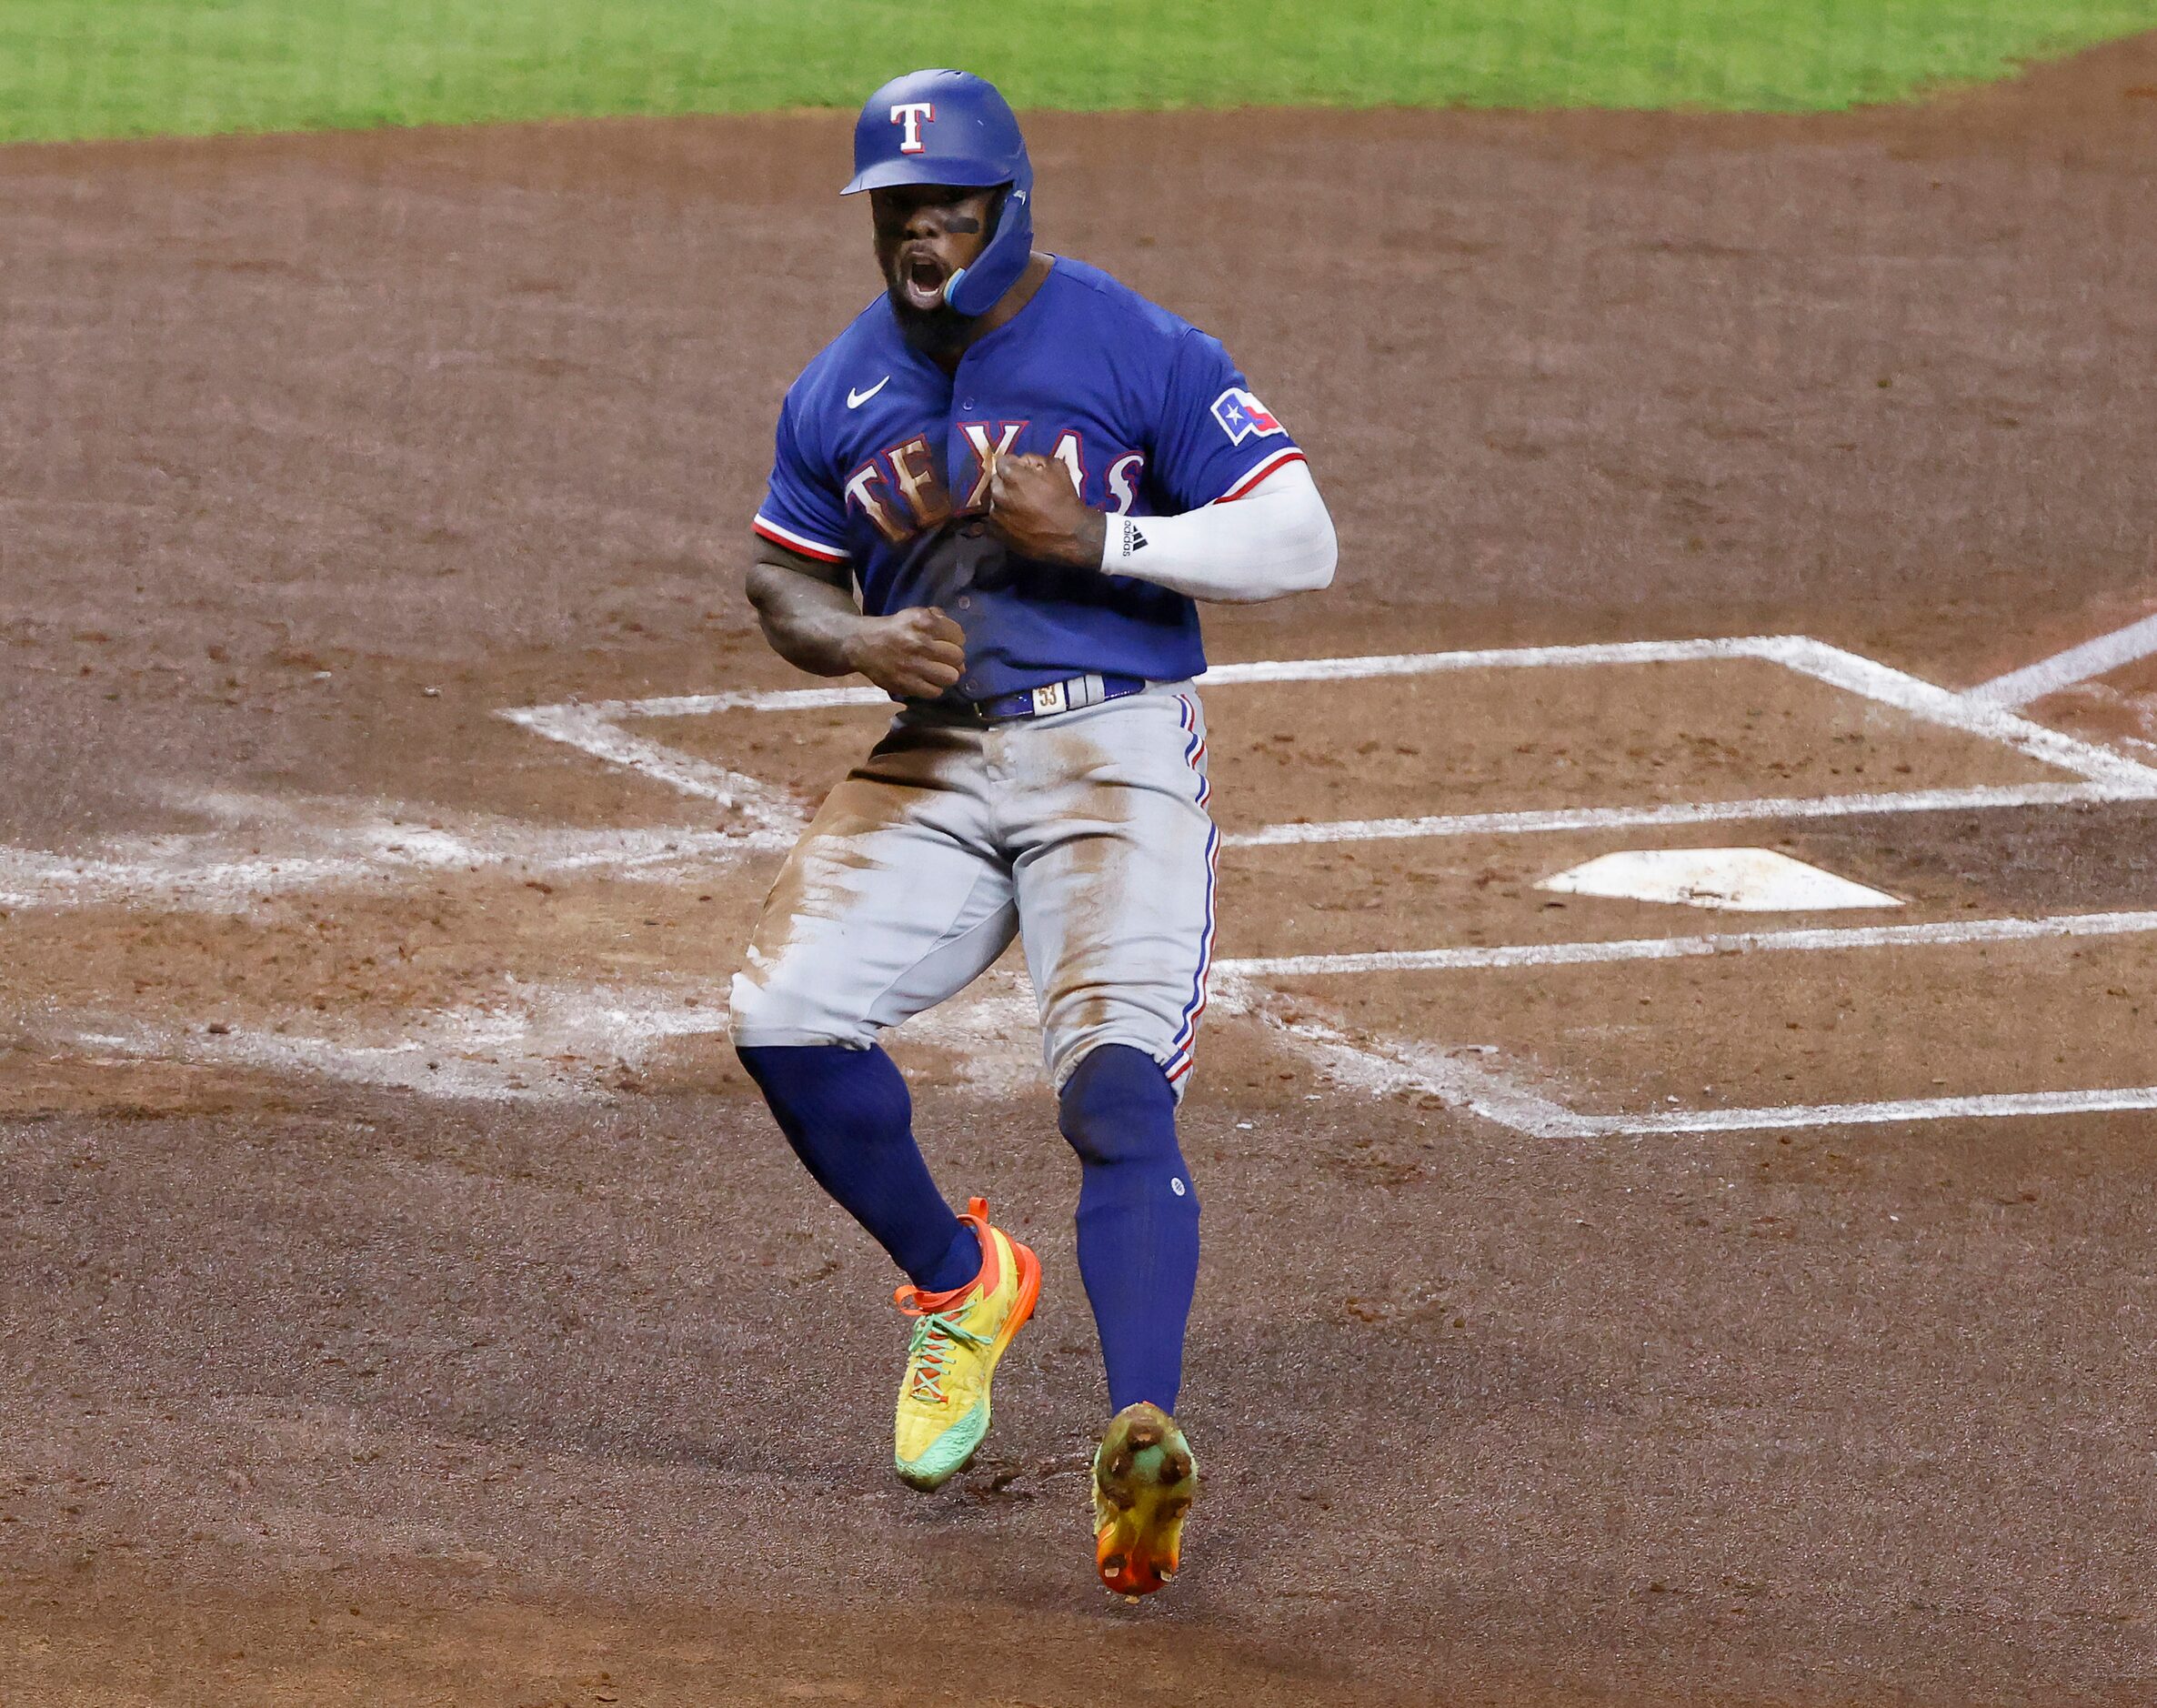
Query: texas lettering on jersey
[881,464]
[901,491]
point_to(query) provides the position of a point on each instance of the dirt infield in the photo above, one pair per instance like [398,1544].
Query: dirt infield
[1603,1300]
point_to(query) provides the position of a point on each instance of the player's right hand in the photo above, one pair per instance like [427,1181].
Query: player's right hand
[915,654]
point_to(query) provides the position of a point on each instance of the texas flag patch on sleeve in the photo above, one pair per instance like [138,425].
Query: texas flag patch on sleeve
[1243,416]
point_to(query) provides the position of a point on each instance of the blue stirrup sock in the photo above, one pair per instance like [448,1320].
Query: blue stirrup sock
[849,1120]
[1137,1220]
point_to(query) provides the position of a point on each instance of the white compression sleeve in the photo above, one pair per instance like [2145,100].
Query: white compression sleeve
[1276,538]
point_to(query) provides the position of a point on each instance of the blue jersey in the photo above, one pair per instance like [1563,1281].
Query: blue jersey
[881,457]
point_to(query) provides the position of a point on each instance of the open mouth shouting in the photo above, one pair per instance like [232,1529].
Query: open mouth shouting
[921,278]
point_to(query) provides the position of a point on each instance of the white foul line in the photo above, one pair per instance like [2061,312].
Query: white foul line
[1940,933]
[1532,820]
[543,1042]
[1483,659]
[2077,664]
[1219,676]
[1383,1066]
[592,729]
[1380,1067]
[268,845]
[1915,1109]
[1941,706]
[741,700]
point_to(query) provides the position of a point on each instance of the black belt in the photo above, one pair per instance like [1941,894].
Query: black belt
[1074,693]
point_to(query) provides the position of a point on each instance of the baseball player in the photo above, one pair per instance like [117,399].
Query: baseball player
[995,494]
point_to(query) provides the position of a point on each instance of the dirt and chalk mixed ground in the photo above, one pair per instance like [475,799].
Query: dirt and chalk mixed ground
[407,1301]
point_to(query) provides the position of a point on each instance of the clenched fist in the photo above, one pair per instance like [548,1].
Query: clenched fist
[1035,511]
[915,654]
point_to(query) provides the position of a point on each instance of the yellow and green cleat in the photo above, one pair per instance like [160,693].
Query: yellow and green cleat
[1145,1477]
[943,1400]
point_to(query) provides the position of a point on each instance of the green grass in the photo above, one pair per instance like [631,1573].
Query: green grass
[71,68]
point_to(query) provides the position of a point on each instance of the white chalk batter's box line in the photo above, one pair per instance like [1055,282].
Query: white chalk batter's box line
[601,729]
[772,820]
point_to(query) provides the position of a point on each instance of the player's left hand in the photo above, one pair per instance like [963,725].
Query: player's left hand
[1036,512]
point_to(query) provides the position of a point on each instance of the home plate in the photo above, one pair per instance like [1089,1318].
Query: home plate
[1742,880]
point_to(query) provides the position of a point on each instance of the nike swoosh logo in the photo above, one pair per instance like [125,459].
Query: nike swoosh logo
[854,399]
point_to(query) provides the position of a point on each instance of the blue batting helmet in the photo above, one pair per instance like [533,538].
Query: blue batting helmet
[953,127]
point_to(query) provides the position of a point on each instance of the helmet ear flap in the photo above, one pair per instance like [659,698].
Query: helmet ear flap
[975,289]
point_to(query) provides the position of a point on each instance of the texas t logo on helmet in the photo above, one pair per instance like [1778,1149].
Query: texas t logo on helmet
[953,127]
[911,114]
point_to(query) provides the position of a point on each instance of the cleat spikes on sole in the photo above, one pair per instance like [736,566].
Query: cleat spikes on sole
[1145,1476]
